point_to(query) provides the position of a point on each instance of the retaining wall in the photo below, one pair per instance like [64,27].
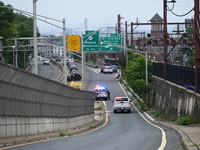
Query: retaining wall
[173,100]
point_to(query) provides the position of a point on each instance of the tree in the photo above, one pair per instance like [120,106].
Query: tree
[135,74]
[7,28]
[141,88]
[14,25]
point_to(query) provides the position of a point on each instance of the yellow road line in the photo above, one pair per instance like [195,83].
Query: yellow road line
[62,137]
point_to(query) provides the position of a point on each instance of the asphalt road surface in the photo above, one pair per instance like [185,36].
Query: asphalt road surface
[127,131]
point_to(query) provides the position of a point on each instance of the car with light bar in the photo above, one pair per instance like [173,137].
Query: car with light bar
[107,69]
[102,93]
[122,104]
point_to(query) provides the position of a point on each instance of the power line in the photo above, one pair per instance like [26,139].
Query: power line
[178,14]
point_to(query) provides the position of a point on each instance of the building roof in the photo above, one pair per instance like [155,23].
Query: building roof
[156,18]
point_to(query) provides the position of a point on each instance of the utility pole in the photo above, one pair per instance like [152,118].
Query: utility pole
[118,23]
[165,36]
[126,32]
[197,46]
[131,33]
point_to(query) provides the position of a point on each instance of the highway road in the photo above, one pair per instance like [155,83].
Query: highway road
[47,71]
[127,131]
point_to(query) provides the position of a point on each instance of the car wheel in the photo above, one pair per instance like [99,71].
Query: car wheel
[129,111]
[114,111]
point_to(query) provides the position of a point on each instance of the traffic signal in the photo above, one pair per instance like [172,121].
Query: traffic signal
[149,35]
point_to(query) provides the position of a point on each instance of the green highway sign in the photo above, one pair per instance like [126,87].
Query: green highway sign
[91,41]
[113,43]
[115,34]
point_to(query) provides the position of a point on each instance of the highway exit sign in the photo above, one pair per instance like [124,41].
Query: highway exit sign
[91,41]
[112,43]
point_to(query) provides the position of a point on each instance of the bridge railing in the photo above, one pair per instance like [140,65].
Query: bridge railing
[180,75]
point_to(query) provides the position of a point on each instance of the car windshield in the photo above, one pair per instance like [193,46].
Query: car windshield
[121,99]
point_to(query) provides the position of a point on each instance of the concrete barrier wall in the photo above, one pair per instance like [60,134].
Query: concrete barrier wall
[21,126]
[26,97]
[173,100]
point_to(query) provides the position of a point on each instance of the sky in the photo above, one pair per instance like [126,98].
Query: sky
[101,13]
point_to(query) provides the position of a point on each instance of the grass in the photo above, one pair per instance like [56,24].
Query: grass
[158,114]
[173,119]
[64,134]
[98,108]
[186,120]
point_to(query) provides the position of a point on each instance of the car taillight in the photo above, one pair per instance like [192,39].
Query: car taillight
[114,105]
[129,104]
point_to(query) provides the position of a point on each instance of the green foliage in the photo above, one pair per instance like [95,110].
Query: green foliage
[191,59]
[173,118]
[190,31]
[91,58]
[141,88]
[98,108]
[7,28]
[122,61]
[62,134]
[142,105]
[186,120]
[14,25]
[135,74]
[130,46]
[158,114]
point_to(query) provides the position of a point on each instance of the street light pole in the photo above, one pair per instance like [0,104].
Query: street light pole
[35,38]
[82,67]
[64,49]
[146,68]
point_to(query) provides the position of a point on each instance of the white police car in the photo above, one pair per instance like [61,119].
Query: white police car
[122,104]
[102,93]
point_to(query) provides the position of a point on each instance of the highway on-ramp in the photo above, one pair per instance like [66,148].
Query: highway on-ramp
[127,131]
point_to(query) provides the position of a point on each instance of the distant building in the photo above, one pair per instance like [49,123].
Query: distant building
[189,21]
[156,29]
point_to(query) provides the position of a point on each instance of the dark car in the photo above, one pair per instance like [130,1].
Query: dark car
[69,77]
[73,67]
[74,72]
[70,64]
[58,59]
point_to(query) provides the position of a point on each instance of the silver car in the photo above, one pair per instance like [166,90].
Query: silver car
[107,69]
[122,104]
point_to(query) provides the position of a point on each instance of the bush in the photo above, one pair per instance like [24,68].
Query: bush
[141,88]
[143,105]
[98,108]
[173,119]
[63,134]
[186,120]
[158,114]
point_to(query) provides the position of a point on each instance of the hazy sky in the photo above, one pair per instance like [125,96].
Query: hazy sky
[101,13]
